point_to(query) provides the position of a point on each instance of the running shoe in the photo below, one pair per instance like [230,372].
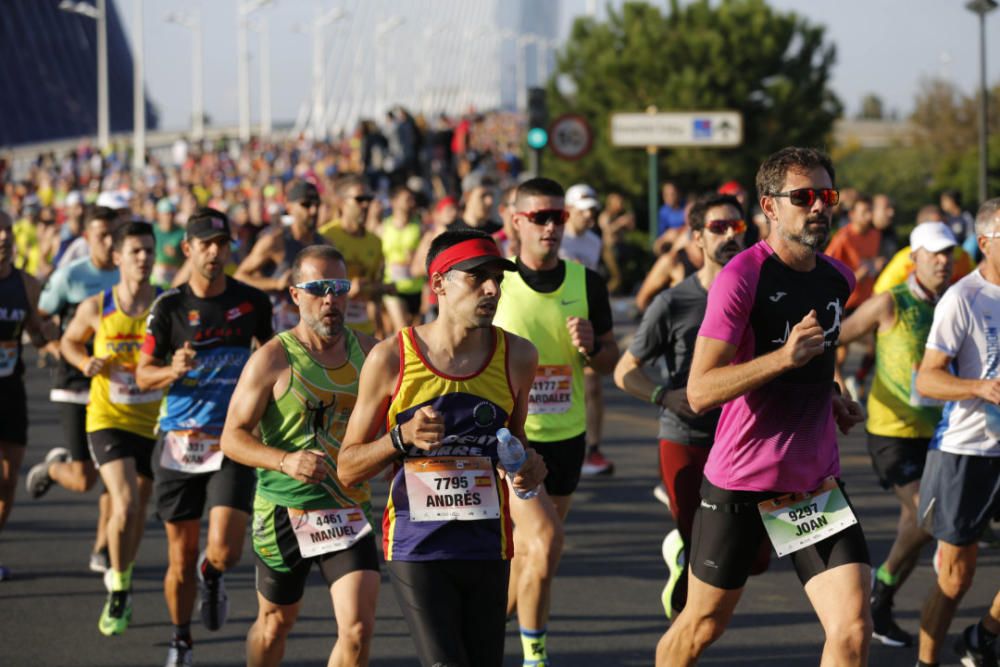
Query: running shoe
[884,627]
[38,481]
[116,614]
[974,657]
[853,388]
[179,653]
[100,561]
[214,603]
[660,493]
[597,464]
[673,556]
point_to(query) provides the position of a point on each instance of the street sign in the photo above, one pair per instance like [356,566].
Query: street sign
[537,138]
[706,129]
[571,137]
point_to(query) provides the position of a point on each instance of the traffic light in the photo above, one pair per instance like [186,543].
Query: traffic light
[538,119]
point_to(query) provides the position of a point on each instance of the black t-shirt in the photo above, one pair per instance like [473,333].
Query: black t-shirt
[14,309]
[668,331]
[598,302]
[489,226]
[221,329]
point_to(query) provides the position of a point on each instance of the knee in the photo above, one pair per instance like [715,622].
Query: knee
[544,548]
[356,635]
[182,560]
[274,627]
[223,556]
[125,508]
[956,580]
[704,631]
[852,638]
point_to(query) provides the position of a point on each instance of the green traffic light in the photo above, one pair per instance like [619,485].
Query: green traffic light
[538,138]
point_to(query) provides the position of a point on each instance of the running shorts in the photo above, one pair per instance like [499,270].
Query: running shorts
[183,496]
[564,460]
[111,444]
[74,422]
[959,495]
[13,411]
[897,461]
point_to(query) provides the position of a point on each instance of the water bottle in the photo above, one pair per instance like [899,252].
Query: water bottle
[512,457]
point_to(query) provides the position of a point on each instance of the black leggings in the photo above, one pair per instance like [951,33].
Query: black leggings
[456,609]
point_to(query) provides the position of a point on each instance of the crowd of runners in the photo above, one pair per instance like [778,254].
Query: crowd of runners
[247,341]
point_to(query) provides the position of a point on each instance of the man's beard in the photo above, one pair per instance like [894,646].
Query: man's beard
[725,252]
[322,329]
[814,240]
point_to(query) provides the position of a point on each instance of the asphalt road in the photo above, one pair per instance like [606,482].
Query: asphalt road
[605,610]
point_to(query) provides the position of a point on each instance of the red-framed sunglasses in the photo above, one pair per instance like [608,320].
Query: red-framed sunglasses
[544,216]
[720,226]
[806,197]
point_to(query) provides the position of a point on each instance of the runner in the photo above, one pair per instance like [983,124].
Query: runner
[362,251]
[901,421]
[268,266]
[668,331]
[960,487]
[769,468]
[401,234]
[198,338]
[71,467]
[120,418]
[169,235]
[563,308]
[18,295]
[442,390]
[300,388]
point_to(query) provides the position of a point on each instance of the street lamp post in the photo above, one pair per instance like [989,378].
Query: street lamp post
[260,27]
[193,23]
[382,29]
[138,96]
[246,8]
[982,8]
[99,15]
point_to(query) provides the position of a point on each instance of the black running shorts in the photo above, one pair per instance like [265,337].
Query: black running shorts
[564,460]
[728,532]
[74,422]
[111,444]
[456,610]
[182,496]
[13,411]
[897,461]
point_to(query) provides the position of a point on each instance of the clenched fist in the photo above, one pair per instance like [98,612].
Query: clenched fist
[425,431]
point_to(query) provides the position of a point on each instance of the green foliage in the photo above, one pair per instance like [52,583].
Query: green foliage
[902,172]
[773,67]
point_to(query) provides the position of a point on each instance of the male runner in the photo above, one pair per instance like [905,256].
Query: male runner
[18,295]
[960,488]
[121,419]
[71,467]
[442,390]
[563,308]
[765,353]
[401,234]
[668,330]
[901,421]
[300,388]
[362,251]
[268,267]
[197,342]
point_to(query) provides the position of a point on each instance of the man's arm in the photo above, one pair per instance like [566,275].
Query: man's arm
[713,381]
[877,312]
[249,401]
[249,270]
[935,380]
[595,337]
[73,344]
[43,333]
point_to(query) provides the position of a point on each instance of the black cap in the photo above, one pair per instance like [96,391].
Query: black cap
[483,260]
[302,191]
[207,223]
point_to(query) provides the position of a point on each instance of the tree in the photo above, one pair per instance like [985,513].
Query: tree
[773,67]
[871,107]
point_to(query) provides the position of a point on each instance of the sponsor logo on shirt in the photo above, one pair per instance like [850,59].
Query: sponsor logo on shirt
[194,318]
[238,311]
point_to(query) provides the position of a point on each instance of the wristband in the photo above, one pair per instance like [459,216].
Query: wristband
[396,436]
[657,394]
[281,463]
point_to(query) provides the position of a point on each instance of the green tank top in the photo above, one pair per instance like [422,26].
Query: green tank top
[895,409]
[398,246]
[556,408]
[312,413]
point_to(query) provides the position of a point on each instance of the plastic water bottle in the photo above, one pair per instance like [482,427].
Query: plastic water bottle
[512,457]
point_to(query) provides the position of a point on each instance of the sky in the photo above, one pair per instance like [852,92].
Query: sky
[886,47]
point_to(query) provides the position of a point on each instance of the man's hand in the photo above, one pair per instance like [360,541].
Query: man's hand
[425,431]
[805,341]
[847,413]
[676,401]
[183,360]
[95,366]
[989,391]
[307,465]
[531,474]
[581,333]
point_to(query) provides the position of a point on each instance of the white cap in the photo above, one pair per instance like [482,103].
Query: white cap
[115,199]
[932,236]
[581,196]
[73,198]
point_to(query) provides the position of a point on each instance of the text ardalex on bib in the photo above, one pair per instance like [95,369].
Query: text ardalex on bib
[551,391]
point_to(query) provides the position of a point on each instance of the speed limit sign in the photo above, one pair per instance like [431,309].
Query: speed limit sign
[570,137]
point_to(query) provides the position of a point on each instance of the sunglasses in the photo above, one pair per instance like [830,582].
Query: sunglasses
[720,226]
[309,203]
[544,216]
[363,199]
[334,286]
[806,197]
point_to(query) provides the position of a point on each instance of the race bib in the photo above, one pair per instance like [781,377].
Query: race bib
[796,520]
[552,391]
[8,357]
[357,312]
[918,400]
[192,452]
[452,489]
[124,390]
[321,532]
[399,272]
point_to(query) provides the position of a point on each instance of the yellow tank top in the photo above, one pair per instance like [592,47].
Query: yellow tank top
[556,408]
[363,255]
[398,246]
[115,400]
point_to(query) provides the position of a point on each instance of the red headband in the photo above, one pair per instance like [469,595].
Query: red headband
[462,251]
